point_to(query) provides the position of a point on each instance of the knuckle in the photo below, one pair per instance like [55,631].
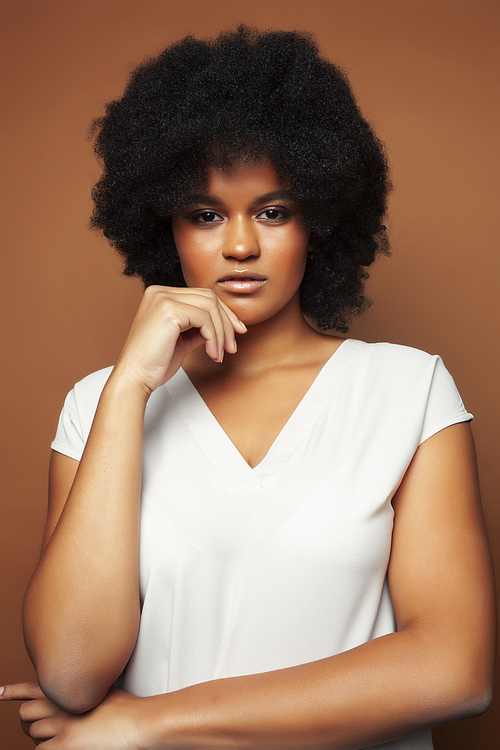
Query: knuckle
[209,294]
[22,712]
[174,323]
[166,308]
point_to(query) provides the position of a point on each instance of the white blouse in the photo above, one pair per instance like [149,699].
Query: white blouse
[247,570]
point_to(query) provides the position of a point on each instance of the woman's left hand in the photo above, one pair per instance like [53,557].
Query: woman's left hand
[110,725]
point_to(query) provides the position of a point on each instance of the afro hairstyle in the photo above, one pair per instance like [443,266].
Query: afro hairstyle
[245,96]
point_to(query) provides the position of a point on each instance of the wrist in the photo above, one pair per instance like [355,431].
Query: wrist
[123,386]
[154,723]
[173,720]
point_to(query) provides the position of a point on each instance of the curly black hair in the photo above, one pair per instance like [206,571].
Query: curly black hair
[245,95]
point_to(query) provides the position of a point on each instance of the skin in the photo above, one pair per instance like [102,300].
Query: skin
[82,606]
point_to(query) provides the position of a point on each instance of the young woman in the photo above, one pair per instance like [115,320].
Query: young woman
[259,535]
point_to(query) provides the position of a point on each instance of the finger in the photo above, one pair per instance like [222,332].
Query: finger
[26,726]
[228,334]
[215,312]
[212,331]
[188,317]
[237,324]
[191,340]
[206,299]
[42,730]
[21,691]
[226,323]
[189,292]
[232,325]
[222,318]
[230,322]
[35,710]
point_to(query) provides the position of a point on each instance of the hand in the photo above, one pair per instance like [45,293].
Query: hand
[171,322]
[110,725]
[31,692]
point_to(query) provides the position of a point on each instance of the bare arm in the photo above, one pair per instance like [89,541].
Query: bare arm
[81,612]
[436,668]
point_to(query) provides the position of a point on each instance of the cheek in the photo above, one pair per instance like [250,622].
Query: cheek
[192,269]
[190,255]
[296,255]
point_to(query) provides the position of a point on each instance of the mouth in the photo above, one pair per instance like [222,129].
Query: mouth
[242,281]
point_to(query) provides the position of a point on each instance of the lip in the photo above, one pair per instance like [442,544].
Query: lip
[242,281]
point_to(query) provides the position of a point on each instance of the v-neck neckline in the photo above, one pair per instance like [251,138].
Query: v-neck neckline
[226,459]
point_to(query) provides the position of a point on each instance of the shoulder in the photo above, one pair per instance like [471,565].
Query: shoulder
[385,355]
[403,365]
[386,363]
[395,364]
[413,385]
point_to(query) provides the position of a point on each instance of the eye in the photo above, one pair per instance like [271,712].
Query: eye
[273,214]
[205,217]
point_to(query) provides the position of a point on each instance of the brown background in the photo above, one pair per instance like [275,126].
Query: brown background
[425,73]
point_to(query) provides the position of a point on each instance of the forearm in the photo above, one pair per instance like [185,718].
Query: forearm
[381,690]
[81,611]
[384,689]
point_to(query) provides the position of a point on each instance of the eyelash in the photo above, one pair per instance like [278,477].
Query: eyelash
[197,216]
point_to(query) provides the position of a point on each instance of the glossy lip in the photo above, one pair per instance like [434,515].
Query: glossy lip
[242,286]
[242,281]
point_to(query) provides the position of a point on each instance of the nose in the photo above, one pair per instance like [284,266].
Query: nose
[241,239]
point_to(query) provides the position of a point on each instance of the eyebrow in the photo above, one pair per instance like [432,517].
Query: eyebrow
[276,195]
[215,200]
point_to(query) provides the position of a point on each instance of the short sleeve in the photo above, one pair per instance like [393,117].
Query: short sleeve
[78,414]
[444,405]
[69,438]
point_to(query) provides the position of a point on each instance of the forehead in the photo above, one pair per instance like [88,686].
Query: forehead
[253,179]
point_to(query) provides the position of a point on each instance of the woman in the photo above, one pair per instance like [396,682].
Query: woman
[311,567]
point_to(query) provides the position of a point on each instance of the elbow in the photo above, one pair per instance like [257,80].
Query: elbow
[75,694]
[460,675]
[475,699]
[469,693]
[75,682]
[478,678]
[75,698]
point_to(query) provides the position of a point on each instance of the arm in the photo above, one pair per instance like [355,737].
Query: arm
[81,611]
[437,668]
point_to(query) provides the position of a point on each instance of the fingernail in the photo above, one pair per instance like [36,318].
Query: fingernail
[1,691]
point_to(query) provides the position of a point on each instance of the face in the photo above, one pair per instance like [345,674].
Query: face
[243,238]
